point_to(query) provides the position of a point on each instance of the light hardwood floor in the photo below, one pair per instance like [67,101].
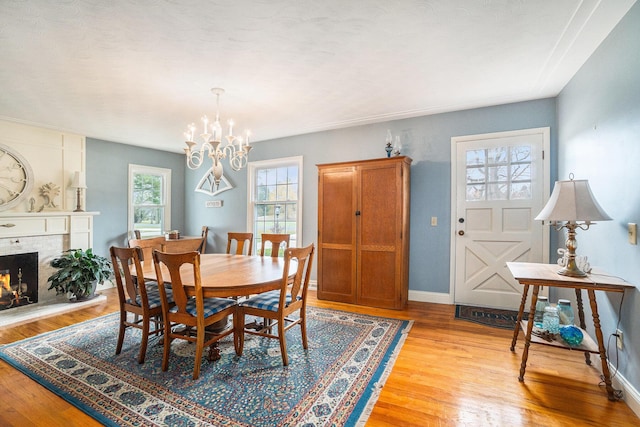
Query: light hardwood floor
[449,373]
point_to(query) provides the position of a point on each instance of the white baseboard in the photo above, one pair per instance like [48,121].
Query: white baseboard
[629,393]
[420,296]
[434,297]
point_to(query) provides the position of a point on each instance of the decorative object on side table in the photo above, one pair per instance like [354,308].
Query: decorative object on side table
[541,304]
[550,320]
[572,335]
[572,206]
[79,272]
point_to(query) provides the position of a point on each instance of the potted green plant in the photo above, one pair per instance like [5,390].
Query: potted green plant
[79,272]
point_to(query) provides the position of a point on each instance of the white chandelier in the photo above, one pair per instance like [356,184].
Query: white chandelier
[236,149]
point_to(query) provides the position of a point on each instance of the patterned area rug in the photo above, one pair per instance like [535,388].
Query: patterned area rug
[335,382]
[505,319]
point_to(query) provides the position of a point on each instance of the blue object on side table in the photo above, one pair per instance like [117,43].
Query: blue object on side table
[572,335]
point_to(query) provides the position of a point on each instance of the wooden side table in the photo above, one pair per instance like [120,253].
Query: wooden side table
[537,275]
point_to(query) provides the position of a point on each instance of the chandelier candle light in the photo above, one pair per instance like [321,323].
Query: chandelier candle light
[572,206]
[236,149]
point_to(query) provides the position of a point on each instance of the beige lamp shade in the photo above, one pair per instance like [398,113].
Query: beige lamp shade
[79,180]
[572,200]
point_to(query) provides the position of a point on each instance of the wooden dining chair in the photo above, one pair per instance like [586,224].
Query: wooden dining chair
[137,234]
[196,313]
[276,241]
[241,241]
[205,234]
[137,297]
[278,305]
[147,246]
[175,246]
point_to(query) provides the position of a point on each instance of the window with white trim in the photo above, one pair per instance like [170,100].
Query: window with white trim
[149,200]
[275,202]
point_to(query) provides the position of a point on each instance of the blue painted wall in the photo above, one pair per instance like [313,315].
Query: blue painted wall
[599,140]
[427,140]
[595,128]
[107,188]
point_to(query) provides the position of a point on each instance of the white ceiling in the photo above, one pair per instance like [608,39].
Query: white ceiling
[139,71]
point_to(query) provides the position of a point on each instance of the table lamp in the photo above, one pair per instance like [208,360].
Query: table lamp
[79,182]
[572,206]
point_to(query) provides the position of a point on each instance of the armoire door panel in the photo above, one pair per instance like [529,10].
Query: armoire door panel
[377,279]
[338,275]
[338,199]
[378,205]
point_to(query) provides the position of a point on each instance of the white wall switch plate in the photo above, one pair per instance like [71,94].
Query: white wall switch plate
[213,204]
[434,221]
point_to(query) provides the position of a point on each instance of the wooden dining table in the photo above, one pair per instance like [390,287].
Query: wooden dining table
[225,275]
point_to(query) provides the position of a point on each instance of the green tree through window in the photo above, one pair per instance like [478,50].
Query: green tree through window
[149,211]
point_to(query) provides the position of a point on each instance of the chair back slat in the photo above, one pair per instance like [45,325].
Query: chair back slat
[276,241]
[129,287]
[297,287]
[173,263]
[182,245]
[241,240]
[203,246]
[147,246]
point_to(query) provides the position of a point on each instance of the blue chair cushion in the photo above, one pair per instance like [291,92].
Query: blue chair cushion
[211,306]
[155,300]
[153,295]
[267,301]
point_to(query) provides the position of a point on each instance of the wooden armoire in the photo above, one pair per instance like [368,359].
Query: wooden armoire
[363,232]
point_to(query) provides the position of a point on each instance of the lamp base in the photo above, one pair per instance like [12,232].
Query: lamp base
[575,272]
[79,201]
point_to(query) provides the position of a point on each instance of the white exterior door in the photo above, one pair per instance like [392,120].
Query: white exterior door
[500,182]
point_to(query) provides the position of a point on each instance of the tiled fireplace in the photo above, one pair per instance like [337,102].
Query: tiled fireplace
[46,235]
[46,248]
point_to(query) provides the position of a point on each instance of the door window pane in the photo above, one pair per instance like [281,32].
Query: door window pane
[499,173]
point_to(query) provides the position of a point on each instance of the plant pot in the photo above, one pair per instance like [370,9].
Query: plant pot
[86,297]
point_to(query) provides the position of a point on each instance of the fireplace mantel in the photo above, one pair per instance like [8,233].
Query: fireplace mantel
[78,225]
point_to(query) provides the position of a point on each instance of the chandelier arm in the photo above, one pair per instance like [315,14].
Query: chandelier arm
[194,159]
[238,161]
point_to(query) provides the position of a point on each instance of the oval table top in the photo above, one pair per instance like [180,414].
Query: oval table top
[225,275]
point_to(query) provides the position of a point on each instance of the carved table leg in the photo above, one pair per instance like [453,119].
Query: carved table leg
[603,353]
[516,328]
[527,338]
[587,355]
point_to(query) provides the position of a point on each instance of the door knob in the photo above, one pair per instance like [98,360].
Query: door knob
[461,232]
